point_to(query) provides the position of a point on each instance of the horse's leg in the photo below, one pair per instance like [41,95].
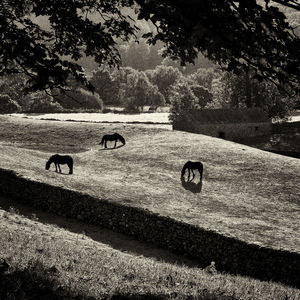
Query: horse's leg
[193,174]
[59,168]
[55,167]
[71,168]
[200,172]
[105,144]
[115,143]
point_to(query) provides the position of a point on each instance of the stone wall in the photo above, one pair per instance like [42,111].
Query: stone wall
[230,254]
[228,131]
[229,124]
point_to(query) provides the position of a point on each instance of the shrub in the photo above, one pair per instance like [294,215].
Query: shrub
[7,105]
[79,99]
[44,105]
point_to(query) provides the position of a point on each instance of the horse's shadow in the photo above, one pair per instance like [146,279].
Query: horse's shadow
[60,173]
[191,186]
[112,148]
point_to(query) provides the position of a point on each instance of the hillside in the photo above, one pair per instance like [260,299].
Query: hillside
[247,193]
[48,261]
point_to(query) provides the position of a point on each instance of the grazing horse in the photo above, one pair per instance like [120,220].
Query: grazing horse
[60,160]
[112,137]
[191,166]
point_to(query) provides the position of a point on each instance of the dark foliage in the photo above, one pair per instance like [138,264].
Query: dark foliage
[237,34]
[7,105]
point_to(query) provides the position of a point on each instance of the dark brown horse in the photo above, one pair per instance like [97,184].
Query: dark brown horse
[60,160]
[191,166]
[112,137]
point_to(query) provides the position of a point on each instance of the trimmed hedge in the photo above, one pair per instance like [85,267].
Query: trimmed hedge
[230,254]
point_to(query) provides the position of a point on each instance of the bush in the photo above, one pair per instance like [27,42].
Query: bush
[79,99]
[44,105]
[8,106]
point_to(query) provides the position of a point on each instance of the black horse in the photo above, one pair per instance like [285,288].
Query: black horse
[191,166]
[60,160]
[112,137]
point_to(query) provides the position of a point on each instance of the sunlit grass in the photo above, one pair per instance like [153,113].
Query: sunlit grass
[247,193]
[81,266]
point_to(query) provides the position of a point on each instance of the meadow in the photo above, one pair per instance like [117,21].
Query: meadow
[50,262]
[247,193]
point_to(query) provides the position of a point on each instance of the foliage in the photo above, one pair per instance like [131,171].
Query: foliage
[183,99]
[43,104]
[238,35]
[13,85]
[219,94]
[138,92]
[77,99]
[156,98]
[203,77]
[203,94]
[245,91]
[105,86]
[164,77]
[7,105]
[40,51]
[135,55]
[188,68]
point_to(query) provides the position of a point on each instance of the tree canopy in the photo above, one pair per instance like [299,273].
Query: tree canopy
[238,34]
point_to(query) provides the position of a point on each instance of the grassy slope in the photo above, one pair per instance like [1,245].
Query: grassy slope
[247,193]
[75,263]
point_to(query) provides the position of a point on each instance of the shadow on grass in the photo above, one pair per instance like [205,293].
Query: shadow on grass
[116,240]
[35,282]
[203,296]
[113,148]
[191,186]
[60,173]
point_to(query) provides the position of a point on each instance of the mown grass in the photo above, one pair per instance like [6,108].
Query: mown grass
[48,262]
[247,193]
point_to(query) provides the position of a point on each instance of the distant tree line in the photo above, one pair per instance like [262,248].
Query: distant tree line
[165,85]
[203,88]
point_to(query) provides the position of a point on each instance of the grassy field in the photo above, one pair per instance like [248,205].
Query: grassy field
[247,193]
[50,262]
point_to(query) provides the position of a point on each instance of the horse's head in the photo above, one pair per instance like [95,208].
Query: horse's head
[48,163]
[121,139]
